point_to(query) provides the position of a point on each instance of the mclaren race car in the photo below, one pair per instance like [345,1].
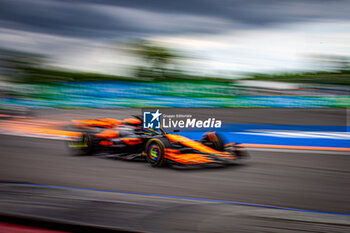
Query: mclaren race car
[127,139]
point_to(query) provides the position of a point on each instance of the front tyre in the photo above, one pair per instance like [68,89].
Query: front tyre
[155,152]
[84,146]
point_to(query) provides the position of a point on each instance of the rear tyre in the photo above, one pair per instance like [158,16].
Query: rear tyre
[155,151]
[213,140]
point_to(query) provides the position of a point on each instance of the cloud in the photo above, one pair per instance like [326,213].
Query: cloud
[107,18]
[266,50]
[236,35]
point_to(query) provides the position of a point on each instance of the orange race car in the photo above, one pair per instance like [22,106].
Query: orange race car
[127,139]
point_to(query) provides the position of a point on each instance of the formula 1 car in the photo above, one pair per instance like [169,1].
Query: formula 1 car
[128,140]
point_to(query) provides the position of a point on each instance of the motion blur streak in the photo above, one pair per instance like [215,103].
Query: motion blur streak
[75,76]
[189,198]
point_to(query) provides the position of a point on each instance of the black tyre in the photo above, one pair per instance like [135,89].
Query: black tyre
[84,146]
[155,151]
[214,141]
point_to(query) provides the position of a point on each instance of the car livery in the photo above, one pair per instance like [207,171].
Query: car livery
[128,140]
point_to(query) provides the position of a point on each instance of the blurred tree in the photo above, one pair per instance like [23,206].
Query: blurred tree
[158,59]
[20,66]
[335,70]
[335,62]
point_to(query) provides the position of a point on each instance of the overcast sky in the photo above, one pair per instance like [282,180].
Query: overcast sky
[220,35]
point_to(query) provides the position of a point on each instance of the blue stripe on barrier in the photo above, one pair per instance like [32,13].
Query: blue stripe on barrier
[235,127]
[270,140]
[291,135]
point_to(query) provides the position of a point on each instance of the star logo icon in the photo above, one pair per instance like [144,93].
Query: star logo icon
[156,115]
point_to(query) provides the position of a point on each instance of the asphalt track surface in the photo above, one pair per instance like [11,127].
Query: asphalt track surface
[297,180]
[311,181]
